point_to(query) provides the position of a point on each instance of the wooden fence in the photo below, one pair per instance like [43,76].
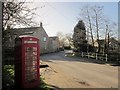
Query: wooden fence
[95,56]
[103,57]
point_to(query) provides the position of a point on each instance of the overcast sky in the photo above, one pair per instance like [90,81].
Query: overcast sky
[62,16]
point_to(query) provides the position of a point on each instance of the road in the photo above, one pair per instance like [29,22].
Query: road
[72,72]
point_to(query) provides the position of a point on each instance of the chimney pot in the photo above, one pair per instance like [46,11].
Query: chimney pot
[40,24]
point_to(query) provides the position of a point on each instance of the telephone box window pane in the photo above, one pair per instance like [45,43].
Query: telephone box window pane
[34,48]
[31,64]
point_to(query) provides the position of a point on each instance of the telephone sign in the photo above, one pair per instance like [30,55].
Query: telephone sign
[27,62]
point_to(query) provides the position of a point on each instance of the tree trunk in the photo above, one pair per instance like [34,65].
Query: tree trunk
[99,48]
[105,42]
[97,30]
[90,28]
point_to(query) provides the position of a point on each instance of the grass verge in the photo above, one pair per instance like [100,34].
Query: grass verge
[9,82]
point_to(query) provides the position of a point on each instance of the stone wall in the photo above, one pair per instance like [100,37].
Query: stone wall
[53,44]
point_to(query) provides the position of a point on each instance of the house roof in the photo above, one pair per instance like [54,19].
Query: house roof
[23,31]
[113,40]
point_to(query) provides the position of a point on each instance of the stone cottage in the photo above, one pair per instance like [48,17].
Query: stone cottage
[38,32]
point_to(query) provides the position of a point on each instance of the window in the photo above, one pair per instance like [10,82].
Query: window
[44,39]
[45,47]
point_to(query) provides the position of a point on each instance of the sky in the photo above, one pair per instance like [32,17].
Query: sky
[62,16]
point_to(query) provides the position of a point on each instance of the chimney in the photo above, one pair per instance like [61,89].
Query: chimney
[40,24]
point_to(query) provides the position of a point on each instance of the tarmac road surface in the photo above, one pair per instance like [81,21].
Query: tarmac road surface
[72,72]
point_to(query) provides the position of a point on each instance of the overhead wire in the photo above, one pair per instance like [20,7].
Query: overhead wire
[60,13]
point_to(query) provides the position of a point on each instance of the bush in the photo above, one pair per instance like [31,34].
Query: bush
[8,77]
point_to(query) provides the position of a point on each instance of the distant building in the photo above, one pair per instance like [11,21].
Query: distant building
[102,45]
[38,32]
[112,45]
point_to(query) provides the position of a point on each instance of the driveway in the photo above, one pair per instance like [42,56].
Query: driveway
[72,72]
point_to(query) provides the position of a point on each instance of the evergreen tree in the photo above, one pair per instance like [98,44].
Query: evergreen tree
[79,37]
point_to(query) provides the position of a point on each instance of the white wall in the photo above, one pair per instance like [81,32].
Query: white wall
[0,45]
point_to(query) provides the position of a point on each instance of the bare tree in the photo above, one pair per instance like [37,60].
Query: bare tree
[68,37]
[62,38]
[98,19]
[17,13]
[93,16]
[97,25]
[86,16]
[65,39]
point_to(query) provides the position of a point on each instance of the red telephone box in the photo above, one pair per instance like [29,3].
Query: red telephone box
[27,62]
